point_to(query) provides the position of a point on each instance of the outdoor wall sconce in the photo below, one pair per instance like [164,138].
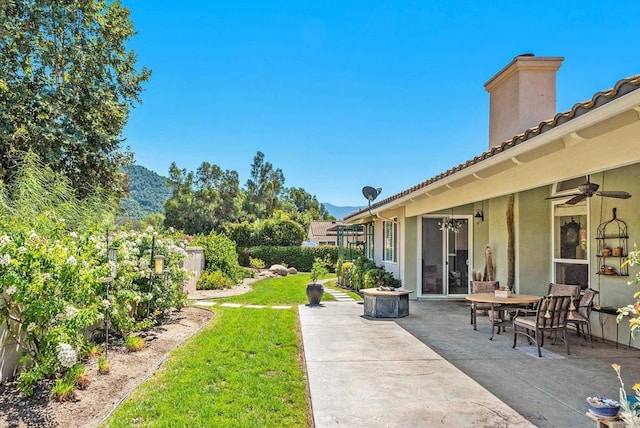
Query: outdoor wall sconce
[479,216]
[158,265]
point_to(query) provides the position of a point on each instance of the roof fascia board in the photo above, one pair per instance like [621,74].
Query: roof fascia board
[566,132]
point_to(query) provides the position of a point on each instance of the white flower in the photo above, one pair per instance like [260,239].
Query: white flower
[73,234]
[5,260]
[149,229]
[137,298]
[143,263]
[128,307]
[72,261]
[66,355]
[22,250]
[4,240]
[159,244]
[106,303]
[101,315]
[70,312]
[11,290]
[46,276]
[31,327]
[149,296]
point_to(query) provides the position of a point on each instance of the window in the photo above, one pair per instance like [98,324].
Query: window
[369,240]
[570,244]
[389,232]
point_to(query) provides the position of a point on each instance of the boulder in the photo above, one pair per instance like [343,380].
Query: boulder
[279,269]
[292,271]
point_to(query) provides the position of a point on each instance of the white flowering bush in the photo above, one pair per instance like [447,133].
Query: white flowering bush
[53,254]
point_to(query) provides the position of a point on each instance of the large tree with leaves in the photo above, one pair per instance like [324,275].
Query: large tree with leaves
[203,201]
[67,83]
[264,188]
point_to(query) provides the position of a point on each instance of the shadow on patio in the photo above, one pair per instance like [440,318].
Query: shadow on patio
[548,391]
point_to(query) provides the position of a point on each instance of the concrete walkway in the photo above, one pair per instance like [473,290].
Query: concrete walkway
[373,373]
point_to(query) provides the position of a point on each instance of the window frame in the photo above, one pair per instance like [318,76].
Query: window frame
[390,241]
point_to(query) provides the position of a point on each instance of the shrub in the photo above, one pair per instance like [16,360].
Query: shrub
[103,365]
[319,268]
[379,277]
[256,263]
[244,234]
[299,257]
[213,281]
[134,343]
[343,271]
[279,232]
[63,390]
[77,376]
[357,272]
[220,255]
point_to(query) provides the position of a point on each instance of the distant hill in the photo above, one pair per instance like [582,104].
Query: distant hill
[148,193]
[340,212]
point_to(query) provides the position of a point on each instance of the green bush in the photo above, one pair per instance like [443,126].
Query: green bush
[244,234]
[213,281]
[256,263]
[220,255]
[356,273]
[378,277]
[300,258]
[278,232]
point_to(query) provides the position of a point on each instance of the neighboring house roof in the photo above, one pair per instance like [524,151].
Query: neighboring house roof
[620,89]
[322,230]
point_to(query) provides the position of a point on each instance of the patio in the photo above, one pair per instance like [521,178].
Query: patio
[373,372]
[548,391]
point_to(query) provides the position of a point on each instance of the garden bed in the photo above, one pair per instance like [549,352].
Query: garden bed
[128,370]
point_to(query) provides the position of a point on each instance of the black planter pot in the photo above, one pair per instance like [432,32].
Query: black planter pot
[314,293]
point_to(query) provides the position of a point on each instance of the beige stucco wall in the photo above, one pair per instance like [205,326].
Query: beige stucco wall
[533,241]
[615,290]
[410,271]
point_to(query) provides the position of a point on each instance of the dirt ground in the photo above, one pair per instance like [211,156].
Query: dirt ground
[91,406]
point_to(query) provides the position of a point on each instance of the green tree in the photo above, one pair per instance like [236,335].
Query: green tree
[67,83]
[202,201]
[263,188]
[303,207]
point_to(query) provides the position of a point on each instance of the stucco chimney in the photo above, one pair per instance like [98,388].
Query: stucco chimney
[521,95]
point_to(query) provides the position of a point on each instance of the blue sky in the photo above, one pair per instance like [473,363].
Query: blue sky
[343,94]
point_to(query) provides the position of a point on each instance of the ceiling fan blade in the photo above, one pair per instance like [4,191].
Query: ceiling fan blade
[620,194]
[563,196]
[576,199]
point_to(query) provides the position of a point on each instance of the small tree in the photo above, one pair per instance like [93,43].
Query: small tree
[319,268]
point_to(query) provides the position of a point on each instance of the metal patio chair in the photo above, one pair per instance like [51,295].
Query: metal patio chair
[482,287]
[581,317]
[549,317]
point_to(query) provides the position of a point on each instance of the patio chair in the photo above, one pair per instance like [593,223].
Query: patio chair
[549,317]
[565,290]
[581,317]
[482,287]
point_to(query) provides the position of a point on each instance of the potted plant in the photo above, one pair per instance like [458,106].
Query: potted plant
[316,290]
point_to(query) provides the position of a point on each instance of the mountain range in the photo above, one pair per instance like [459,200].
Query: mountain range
[149,192]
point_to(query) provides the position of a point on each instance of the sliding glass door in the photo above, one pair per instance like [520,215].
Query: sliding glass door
[445,257]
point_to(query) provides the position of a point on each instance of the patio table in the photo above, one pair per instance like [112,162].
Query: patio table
[493,300]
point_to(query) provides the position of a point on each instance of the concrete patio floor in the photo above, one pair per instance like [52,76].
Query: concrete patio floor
[432,369]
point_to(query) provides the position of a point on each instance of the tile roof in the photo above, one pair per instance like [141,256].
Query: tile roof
[601,98]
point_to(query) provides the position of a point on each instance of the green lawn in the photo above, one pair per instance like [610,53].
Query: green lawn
[288,290]
[245,369]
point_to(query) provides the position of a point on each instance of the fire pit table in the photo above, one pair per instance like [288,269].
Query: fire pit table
[386,304]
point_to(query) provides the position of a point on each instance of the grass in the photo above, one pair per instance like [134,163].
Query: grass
[134,343]
[244,369]
[288,290]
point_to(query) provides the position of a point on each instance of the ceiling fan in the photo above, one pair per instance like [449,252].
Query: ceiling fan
[588,189]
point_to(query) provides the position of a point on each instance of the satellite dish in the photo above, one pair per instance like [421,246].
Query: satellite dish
[371,193]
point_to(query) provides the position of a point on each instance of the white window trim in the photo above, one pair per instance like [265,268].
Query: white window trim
[394,241]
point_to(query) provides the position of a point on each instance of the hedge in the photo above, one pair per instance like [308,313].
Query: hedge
[300,258]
